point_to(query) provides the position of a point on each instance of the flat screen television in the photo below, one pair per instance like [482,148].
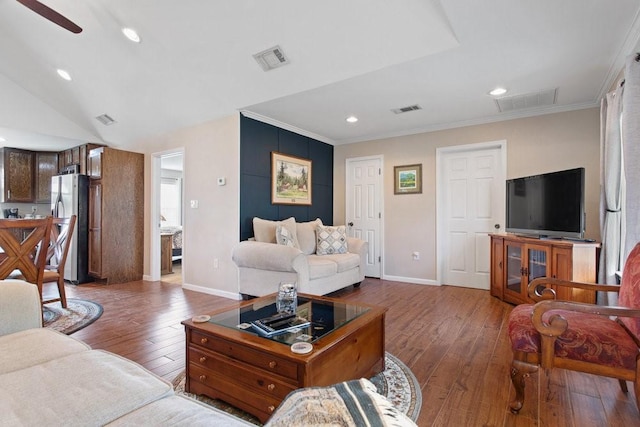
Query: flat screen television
[547,205]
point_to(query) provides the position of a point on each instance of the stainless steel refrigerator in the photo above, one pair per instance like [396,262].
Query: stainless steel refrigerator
[70,196]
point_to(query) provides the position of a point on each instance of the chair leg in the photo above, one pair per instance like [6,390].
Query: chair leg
[519,371]
[623,386]
[636,389]
[63,295]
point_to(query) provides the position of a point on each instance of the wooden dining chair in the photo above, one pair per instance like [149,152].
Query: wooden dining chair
[24,244]
[600,340]
[60,241]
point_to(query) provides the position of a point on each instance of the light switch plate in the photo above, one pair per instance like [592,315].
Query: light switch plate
[194,204]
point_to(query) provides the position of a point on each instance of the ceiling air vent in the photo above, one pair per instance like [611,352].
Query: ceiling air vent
[544,98]
[271,58]
[105,119]
[406,109]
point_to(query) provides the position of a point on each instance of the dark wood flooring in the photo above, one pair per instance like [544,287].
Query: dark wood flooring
[453,339]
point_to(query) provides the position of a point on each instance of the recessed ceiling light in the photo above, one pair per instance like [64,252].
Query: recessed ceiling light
[131,34]
[498,91]
[351,119]
[64,74]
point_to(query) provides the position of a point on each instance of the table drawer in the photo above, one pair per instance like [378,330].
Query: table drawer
[248,375]
[262,360]
[204,381]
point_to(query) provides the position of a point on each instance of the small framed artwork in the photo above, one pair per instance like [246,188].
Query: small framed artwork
[290,180]
[407,179]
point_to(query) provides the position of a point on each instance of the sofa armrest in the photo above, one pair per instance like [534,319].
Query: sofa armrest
[20,306]
[360,247]
[357,246]
[268,256]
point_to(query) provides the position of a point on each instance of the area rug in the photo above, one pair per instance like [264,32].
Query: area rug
[79,314]
[396,382]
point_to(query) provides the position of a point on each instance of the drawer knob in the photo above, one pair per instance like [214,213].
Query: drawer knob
[203,378]
[203,359]
[272,364]
[204,340]
[271,408]
[271,387]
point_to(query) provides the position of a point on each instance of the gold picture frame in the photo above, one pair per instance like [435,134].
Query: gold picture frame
[407,179]
[290,180]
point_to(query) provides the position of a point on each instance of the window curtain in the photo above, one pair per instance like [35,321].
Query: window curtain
[612,191]
[619,176]
[631,150]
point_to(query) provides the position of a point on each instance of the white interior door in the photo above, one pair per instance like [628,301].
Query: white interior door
[470,205]
[363,207]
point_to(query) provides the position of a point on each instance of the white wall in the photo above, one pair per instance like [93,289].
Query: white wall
[211,150]
[534,145]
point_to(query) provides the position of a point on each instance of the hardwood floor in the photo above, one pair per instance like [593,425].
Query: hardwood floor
[453,339]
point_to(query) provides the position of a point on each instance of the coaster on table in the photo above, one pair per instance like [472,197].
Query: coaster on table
[301,347]
[201,318]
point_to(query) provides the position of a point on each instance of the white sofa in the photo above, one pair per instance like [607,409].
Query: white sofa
[47,378]
[264,262]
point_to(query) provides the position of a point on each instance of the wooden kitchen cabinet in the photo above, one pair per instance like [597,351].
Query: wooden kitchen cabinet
[517,260]
[46,167]
[76,156]
[116,209]
[18,179]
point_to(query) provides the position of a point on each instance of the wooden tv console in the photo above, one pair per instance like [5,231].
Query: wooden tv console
[516,260]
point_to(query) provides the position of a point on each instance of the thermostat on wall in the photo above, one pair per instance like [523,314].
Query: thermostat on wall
[222,181]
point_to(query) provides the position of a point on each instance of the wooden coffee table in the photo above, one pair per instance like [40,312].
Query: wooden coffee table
[255,373]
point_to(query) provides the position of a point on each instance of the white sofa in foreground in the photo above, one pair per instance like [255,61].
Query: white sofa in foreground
[47,378]
[286,251]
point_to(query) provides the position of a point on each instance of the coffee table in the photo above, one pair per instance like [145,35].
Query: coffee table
[229,361]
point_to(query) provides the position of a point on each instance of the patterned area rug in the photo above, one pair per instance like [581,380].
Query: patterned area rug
[396,382]
[78,314]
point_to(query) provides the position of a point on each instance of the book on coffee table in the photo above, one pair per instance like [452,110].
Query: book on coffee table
[268,329]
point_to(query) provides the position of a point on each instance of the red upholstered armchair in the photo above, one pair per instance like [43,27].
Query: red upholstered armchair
[577,336]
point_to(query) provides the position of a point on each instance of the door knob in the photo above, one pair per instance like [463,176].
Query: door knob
[350,224]
[496,226]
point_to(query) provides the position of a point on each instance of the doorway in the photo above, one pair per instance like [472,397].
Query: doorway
[470,199]
[167,215]
[363,207]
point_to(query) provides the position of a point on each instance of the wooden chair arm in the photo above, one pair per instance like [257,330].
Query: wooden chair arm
[549,293]
[556,324]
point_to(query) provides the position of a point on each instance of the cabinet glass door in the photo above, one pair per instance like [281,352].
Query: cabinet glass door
[514,268]
[537,262]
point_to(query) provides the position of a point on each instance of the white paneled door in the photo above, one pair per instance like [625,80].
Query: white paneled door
[471,205]
[363,207]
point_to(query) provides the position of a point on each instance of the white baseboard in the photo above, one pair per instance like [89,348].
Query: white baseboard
[411,280]
[211,291]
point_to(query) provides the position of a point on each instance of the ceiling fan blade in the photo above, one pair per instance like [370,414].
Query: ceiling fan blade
[51,15]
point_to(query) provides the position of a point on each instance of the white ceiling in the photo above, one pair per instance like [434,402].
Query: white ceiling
[361,57]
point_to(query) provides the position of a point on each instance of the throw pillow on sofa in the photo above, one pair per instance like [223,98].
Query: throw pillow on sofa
[285,237]
[265,230]
[331,240]
[306,235]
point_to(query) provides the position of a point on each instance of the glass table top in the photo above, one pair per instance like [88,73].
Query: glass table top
[323,317]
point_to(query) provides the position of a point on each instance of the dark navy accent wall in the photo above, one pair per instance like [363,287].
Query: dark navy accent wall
[257,141]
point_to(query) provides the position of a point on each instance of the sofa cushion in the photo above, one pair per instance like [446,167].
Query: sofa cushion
[179,411]
[320,266]
[331,240]
[24,349]
[306,234]
[264,230]
[285,237]
[344,262]
[87,388]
